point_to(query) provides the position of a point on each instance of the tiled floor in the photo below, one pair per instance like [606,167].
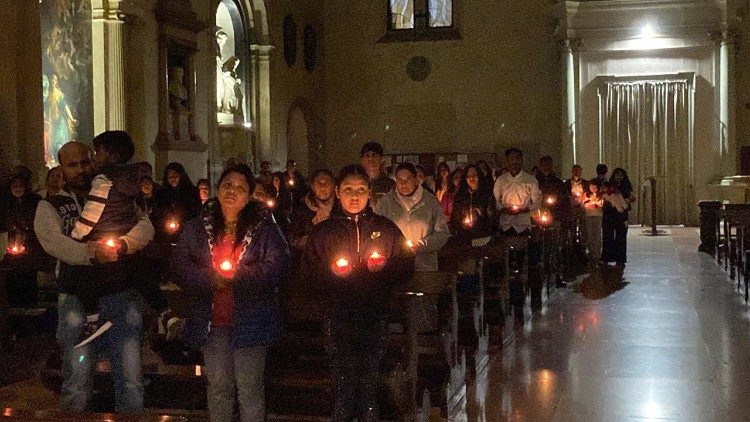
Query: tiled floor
[671,343]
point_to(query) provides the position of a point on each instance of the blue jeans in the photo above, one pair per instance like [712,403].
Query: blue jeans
[228,369]
[122,343]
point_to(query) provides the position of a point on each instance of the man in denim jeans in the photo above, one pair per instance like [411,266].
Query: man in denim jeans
[54,220]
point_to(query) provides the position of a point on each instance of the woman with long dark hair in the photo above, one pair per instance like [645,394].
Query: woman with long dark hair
[177,201]
[442,180]
[618,197]
[474,209]
[230,263]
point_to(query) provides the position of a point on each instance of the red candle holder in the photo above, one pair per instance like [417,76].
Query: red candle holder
[376,259]
[341,267]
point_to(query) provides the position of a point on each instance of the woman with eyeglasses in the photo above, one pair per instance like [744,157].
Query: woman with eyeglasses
[230,262]
[358,257]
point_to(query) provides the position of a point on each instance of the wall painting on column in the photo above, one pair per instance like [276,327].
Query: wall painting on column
[66,74]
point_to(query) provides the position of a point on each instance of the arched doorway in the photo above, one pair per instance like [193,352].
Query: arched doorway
[298,139]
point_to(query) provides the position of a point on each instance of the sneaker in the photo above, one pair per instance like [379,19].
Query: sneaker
[92,328]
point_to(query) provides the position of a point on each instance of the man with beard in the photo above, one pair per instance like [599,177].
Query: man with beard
[54,221]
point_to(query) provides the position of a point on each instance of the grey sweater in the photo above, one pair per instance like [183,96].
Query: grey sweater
[420,218]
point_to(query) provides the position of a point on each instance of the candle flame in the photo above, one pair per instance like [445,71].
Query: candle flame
[226,265]
[172,225]
[544,218]
[375,255]
[342,262]
[409,243]
[291,182]
[270,203]
[515,207]
[110,243]
[550,200]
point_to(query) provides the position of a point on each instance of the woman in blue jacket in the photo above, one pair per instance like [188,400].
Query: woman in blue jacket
[229,263]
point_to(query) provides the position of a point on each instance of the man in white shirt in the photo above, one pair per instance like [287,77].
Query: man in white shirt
[517,194]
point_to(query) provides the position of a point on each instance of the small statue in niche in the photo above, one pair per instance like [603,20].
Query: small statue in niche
[221,40]
[178,94]
[231,101]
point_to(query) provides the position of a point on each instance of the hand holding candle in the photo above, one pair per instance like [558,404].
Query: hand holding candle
[341,267]
[16,249]
[375,262]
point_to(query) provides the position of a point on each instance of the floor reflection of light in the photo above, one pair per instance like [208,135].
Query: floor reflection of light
[546,385]
[651,410]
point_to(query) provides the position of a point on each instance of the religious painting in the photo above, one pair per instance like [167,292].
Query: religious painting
[66,74]
[231,64]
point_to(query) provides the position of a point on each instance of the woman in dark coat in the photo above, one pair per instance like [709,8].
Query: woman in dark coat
[177,201]
[474,214]
[359,257]
[229,263]
[618,196]
[24,256]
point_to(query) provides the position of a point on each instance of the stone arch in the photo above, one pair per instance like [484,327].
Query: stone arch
[301,108]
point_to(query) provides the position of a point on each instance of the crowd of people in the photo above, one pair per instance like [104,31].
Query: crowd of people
[112,235]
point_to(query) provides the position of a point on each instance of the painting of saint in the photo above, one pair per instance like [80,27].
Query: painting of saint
[67,76]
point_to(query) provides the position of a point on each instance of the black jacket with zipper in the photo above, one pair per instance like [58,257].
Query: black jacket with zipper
[361,294]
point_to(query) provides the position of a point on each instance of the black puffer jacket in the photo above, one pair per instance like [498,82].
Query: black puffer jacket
[355,237]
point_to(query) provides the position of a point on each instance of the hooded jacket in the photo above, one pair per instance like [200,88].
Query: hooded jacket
[362,293]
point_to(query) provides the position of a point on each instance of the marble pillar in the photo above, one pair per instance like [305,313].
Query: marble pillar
[108,65]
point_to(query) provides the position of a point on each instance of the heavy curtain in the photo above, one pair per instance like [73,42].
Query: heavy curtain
[646,127]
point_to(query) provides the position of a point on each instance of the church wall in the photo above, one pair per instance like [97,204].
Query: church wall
[498,85]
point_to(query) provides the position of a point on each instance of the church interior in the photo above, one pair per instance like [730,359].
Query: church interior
[659,88]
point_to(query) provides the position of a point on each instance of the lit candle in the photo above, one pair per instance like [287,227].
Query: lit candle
[342,263]
[551,200]
[270,203]
[291,182]
[410,244]
[577,193]
[172,225]
[376,258]
[16,249]
[226,266]
[111,243]
[514,208]
[468,222]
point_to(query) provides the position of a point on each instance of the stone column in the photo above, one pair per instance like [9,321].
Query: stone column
[727,94]
[108,65]
[568,135]
[261,105]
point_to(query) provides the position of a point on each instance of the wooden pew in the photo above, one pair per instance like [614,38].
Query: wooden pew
[737,218]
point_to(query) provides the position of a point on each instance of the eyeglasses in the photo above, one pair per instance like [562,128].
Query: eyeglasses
[354,192]
[226,186]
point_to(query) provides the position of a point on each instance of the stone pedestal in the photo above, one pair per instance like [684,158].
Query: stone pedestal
[710,217]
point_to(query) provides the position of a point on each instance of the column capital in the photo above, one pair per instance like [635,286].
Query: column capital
[571,44]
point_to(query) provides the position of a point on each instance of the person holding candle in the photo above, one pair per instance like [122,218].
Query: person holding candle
[419,216]
[556,199]
[592,206]
[294,182]
[24,256]
[81,262]
[359,257]
[230,263]
[517,194]
[618,197]
[177,201]
[109,214]
[578,188]
[473,213]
